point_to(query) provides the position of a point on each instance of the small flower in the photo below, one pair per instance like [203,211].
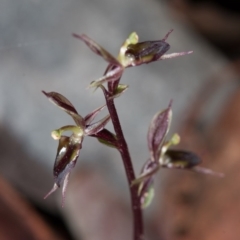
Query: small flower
[163,157]
[132,53]
[69,147]
[145,52]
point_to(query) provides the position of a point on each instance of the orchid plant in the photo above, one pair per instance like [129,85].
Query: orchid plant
[132,53]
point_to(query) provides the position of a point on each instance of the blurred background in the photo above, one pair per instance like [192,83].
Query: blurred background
[37,52]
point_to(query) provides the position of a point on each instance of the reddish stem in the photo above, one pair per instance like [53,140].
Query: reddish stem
[123,149]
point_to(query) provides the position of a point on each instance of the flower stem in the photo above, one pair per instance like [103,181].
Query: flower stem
[123,149]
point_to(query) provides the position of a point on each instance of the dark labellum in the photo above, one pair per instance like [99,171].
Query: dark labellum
[66,158]
[149,48]
[180,159]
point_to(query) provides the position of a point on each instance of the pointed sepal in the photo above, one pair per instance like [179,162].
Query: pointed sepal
[98,126]
[121,88]
[148,170]
[107,138]
[111,76]
[145,182]
[174,55]
[55,187]
[96,48]
[207,171]
[62,102]
[146,192]
[158,130]
[91,116]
